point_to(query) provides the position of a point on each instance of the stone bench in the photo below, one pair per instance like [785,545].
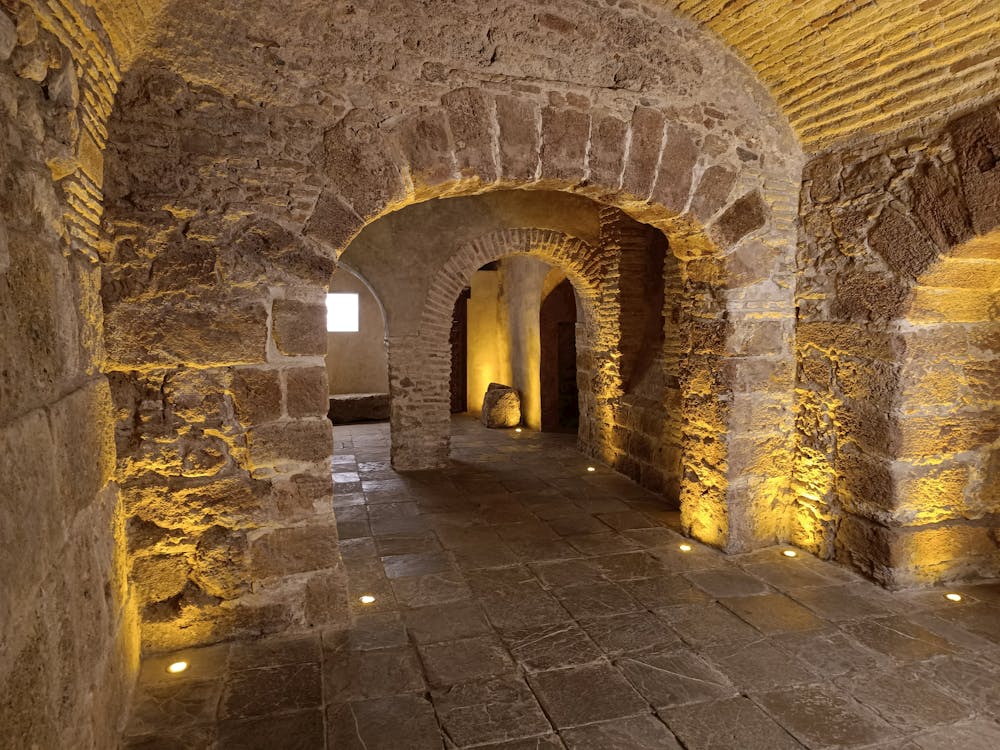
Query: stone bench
[346,408]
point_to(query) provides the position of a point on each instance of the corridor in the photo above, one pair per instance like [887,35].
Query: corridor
[519,600]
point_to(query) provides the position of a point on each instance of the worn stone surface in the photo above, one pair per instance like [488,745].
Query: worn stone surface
[501,406]
[765,670]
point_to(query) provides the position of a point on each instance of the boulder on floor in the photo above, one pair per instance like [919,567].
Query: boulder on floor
[501,406]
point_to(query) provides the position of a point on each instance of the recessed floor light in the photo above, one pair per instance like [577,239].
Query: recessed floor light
[367,599]
[177,667]
[591,468]
[790,553]
[953,597]
[685,548]
[517,429]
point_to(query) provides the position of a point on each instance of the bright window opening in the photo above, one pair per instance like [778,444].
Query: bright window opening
[342,313]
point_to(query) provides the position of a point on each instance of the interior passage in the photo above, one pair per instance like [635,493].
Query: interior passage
[519,599]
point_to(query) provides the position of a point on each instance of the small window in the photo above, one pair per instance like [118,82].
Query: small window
[342,313]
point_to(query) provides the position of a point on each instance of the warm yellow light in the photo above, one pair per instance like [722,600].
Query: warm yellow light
[367,599]
[517,429]
[591,468]
[685,548]
[953,597]
[177,667]
[790,553]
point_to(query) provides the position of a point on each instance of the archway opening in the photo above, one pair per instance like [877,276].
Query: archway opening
[560,407]
[357,363]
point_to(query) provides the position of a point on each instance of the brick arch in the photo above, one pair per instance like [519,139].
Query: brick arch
[419,366]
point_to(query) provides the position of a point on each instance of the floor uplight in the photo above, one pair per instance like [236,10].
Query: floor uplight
[367,599]
[685,548]
[790,553]
[953,597]
[591,468]
[177,667]
[517,429]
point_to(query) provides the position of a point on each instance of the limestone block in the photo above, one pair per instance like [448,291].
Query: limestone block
[953,552]
[8,36]
[192,506]
[159,578]
[469,118]
[607,149]
[501,406]
[306,391]
[332,222]
[364,170]
[256,395]
[220,563]
[565,133]
[299,327]
[644,153]
[823,175]
[275,444]
[680,154]
[265,249]
[518,138]
[423,141]
[747,214]
[295,550]
[939,206]
[976,140]
[229,329]
[31,62]
[902,246]
[347,408]
[713,190]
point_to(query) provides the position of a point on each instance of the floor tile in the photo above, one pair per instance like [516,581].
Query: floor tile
[451,662]
[634,733]
[727,724]
[675,678]
[583,695]
[475,713]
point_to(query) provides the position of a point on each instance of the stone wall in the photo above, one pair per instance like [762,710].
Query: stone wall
[248,150]
[898,410]
[67,623]
[357,362]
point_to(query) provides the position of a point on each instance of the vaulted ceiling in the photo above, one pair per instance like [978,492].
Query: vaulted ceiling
[837,68]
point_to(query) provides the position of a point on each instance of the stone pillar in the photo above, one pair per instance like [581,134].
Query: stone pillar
[420,414]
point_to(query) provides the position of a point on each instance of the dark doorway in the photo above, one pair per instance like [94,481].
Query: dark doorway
[557,324]
[460,353]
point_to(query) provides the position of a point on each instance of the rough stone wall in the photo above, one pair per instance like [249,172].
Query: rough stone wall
[250,148]
[897,342]
[215,328]
[67,624]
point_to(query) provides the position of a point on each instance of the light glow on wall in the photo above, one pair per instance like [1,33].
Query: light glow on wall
[342,313]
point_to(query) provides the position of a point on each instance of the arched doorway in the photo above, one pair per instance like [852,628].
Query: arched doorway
[558,365]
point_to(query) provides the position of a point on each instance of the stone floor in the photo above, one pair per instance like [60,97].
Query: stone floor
[522,602]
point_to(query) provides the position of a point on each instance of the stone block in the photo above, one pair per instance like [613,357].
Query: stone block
[423,141]
[159,578]
[220,563]
[326,599]
[644,153]
[938,205]
[470,118]
[299,327]
[950,433]
[256,395]
[295,550]
[747,214]
[501,406]
[823,175]
[225,330]
[712,192]
[356,158]
[901,244]
[187,506]
[673,183]
[607,150]
[276,444]
[332,221]
[306,391]
[8,36]
[348,408]
[518,136]
[939,554]
[976,141]
[565,133]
